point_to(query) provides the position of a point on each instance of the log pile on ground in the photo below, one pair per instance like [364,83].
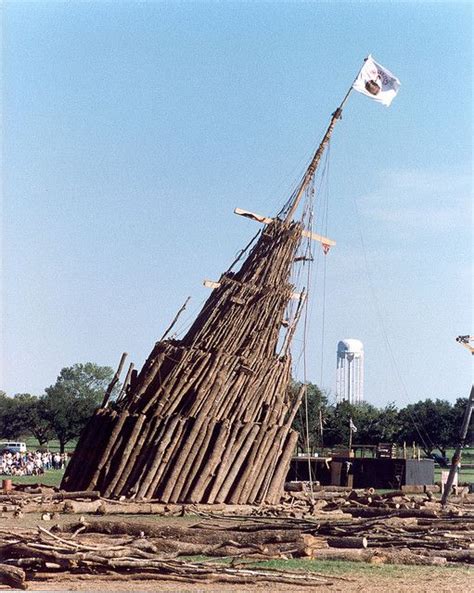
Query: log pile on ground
[208,418]
[319,502]
[45,554]
[159,551]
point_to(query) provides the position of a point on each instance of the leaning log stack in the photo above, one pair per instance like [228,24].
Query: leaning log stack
[208,418]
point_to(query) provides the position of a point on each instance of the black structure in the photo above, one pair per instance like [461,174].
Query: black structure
[363,472]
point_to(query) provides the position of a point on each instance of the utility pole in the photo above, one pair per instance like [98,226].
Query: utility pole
[464,341]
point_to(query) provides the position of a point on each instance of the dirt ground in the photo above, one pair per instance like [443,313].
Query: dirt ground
[399,580]
[345,577]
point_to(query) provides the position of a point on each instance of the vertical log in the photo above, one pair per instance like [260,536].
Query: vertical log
[275,489]
[119,422]
[114,381]
[132,461]
[139,421]
[185,460]
[224,439]
[237,464]
[156,457]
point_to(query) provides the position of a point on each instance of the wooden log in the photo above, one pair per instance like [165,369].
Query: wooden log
[12,577]
[132,440]
[126,383]
[131,508]
[167,460]
[205,451]
[246,442]
[275,488]
[164,435]
[185,459]
[81,454]
[259,477]
[237,433]
[294,487]
[344,554]
[133,463]
[376,512]
[43,507]
[119,421]
[259,449]
[465,556]
[63,495]
[208,471]
[79,506]
[116,453]
[413,489]
[143,463]
[347,542]
[115,380]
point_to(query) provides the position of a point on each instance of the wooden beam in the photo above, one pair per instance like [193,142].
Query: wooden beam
[253,216]
[295,296]
[316,237]
[265,220]
[211,284]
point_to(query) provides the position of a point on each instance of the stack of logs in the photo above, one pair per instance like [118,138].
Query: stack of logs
[154,550]
[208,418]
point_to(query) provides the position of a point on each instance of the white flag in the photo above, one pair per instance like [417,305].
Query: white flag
[352,426]
[376,82]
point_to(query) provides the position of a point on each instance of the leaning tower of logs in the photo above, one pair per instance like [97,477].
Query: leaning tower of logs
[208,418]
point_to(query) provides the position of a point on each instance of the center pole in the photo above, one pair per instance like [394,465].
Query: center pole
[310,171]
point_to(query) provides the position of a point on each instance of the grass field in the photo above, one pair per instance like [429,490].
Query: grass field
[51,477]
[52,445]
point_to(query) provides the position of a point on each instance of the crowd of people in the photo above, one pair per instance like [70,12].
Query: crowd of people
[30,463]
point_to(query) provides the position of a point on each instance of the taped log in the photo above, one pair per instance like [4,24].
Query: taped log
[347,542]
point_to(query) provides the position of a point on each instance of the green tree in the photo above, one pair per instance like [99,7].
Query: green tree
[71,401]
[316,402]
[31,415]
[373,425]
[10,427]
[428,423]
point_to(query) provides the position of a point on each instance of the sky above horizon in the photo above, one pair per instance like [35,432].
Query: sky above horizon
[132,130]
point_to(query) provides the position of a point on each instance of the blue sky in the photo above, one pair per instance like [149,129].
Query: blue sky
[132,130]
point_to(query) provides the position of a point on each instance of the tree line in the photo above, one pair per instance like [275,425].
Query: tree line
[61,412]
[432,424]
[65,407]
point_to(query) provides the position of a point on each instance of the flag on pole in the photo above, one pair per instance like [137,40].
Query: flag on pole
[376,82]
[352,426]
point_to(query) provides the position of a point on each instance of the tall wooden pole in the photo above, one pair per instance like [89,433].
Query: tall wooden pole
[457,453]
[310,171]
[464,341]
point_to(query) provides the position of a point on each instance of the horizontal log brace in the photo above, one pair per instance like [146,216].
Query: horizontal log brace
[212,284]
[265,220]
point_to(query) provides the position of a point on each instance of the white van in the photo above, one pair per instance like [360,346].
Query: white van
[13,447]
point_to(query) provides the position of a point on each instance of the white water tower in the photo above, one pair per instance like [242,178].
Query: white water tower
[350,371]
